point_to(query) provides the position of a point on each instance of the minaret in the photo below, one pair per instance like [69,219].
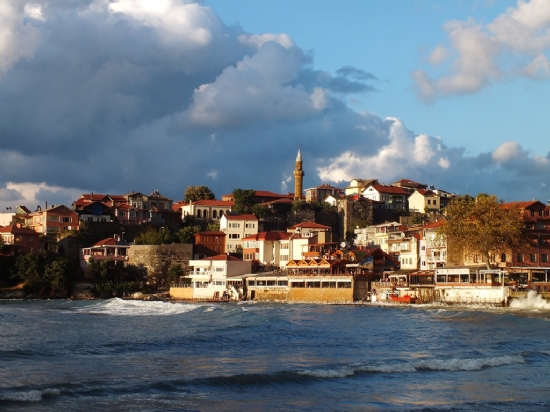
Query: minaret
[298,177]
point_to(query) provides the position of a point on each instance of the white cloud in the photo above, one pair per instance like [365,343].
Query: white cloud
[507,151]
[515,43]
[34,11]
[17,39]
[257,40]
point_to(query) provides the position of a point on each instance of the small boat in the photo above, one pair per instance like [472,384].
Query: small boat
[403,299]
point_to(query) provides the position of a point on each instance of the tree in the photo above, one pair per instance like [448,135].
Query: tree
[154,237]
[483,225]
[186,234]
[196,193]
[175,273]
[244,200]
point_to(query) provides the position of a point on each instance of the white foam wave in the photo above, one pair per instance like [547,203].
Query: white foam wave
[532,301]
[29,396]
[120,307]
[409,367]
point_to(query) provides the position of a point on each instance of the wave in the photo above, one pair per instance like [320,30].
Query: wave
[532,301]
[120,307]
[472,364]
[28,396]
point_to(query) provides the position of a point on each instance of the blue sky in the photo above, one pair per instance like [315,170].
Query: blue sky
[141,95]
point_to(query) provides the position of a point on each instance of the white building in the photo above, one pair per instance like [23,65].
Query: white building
[237,227]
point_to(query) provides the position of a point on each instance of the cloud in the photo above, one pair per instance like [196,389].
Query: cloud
[110,97]
[516,43]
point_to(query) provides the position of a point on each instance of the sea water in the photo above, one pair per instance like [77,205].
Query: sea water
[118,355]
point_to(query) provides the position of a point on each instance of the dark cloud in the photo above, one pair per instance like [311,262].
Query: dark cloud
[107,97]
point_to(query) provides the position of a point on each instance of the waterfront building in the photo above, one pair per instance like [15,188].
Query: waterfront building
[207,210]
[115,249]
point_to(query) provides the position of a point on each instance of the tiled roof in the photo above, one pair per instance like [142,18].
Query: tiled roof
[522,205]
[226,203]
[16,229]
[211,232]
[309,225]
[389,189]
[434,225]
[267,236]
[426,192]
[241,217]
[224,258]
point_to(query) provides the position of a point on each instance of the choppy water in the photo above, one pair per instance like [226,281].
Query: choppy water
[157,356]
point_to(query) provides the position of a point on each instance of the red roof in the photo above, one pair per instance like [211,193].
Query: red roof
[267,236]
[17,229]
[434,225]
[426,192]
[224,258]
[309,225]
[211,232]
[389,189]
[213,203]
[241,217]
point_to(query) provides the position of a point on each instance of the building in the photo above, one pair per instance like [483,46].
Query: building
[53,220]
[205,209]
[18,239]
[209,243]
[424,201]
[410,185]
[267,248]
[237,227]
[393,197]
[209,279]
[321,193]
[356,186]
[115,249]
[433,248]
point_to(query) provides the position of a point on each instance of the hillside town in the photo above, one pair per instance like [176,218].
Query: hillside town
[369,241]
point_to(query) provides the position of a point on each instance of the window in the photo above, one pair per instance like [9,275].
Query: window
[520,257]
[493,259]
[435,202]
[31,239]
[544,257]
[429,202]
[503,257]
[532,257]
[234,236]
[249,225]
[53,218]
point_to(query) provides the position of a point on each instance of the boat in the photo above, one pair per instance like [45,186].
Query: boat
[403,299]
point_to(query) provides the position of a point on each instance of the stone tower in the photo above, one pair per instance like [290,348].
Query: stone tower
[298,177]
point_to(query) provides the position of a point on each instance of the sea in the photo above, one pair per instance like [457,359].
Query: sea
[124,355]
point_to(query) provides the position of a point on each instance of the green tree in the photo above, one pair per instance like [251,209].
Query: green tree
[175,273]
[244,200]
[29,268]
[196,193]
[482,225]
[155,237]
[259,211]
[186,234]
[57,273]
[213,226]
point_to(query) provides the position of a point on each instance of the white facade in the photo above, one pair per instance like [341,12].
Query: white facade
[422,201]
[237,227]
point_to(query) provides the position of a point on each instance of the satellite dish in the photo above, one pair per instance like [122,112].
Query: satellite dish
[343,244]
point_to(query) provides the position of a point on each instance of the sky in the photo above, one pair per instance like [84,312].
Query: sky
[141,95]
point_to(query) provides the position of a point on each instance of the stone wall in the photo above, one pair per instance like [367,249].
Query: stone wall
[158,259]
[320,295]
[181,293]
